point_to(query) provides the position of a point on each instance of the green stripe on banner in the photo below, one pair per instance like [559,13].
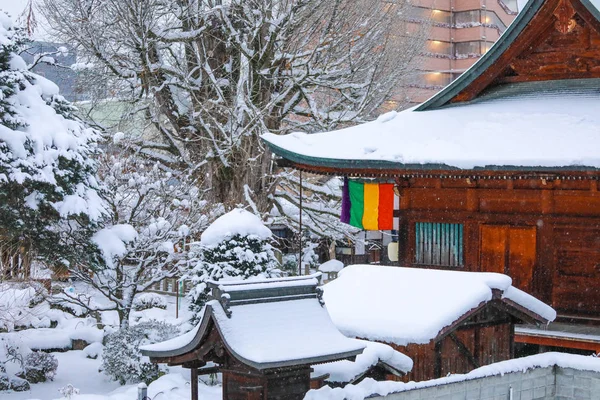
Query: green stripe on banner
[357,201]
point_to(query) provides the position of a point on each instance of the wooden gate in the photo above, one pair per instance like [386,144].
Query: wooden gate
[509,250]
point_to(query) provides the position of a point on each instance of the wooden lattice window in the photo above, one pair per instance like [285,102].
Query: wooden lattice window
[439,244]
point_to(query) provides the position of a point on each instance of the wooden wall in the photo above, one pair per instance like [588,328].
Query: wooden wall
[544,233]
[485,344]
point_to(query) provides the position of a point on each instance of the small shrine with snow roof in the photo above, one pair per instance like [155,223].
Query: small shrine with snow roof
[273,339]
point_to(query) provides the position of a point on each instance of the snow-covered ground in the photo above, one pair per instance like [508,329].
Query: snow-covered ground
[82,373]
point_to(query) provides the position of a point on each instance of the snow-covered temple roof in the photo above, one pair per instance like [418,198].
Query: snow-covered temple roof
[529,104]
[260,321]
[550,130]
[412,305]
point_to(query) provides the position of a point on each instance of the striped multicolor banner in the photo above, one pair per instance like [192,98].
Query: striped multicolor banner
[368,206]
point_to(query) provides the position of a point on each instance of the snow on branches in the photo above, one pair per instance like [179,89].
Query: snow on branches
[211,75]
[154,214]
[48,190]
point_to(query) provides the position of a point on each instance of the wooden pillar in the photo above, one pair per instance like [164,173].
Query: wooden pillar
[194,383]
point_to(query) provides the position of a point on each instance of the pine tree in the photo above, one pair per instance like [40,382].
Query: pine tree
[235,246]
[49,197]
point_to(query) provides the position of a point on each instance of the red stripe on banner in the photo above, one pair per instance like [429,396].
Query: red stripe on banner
[386,206]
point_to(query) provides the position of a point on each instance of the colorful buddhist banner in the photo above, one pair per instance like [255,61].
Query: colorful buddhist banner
[368,206]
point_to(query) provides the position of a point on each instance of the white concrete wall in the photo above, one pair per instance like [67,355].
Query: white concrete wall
[552,383]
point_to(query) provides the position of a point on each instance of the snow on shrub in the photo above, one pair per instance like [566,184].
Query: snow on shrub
[18,384]
[121,358]
[23,305]
[235,246]
[68,391]
[38,367]
[146,301]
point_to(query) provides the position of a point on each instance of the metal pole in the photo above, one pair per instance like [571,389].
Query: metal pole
[300,231]
[177,300]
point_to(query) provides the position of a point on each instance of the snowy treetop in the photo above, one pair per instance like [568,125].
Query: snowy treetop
[235,222]
[533,130]
[39,136]
[411,305]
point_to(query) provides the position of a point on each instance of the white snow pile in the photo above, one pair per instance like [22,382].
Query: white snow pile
[94,350]
[68,328]
[344,371]
[502,132]
[23,305]
[365,300]
[370,387]
[236,222]
[168,387]
[331,266]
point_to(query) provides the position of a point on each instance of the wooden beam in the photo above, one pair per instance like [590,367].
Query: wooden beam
[194,383]
[552,341]
[464,350]
[403,173]
[456,324]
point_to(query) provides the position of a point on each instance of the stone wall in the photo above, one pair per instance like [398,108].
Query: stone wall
[551,383]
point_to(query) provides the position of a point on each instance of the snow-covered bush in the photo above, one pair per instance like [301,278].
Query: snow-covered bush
[235,246]
[8,382]
[68,391]
[121,358]
[15,383]
[38,367]
[94,350]
[146,301]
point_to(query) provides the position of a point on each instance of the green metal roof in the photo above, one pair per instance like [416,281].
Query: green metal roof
[513,32]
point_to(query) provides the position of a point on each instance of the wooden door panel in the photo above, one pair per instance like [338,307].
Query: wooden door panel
[509,250]
[521,256]
[493,248]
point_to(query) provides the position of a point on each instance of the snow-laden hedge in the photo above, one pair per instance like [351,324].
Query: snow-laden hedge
[146,301]
[121,358]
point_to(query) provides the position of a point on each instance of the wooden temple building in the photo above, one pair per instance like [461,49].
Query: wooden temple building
[264,337]
[446,321]
[498,172]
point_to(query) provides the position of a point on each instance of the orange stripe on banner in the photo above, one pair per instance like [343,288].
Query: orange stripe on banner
[370,216]
[386,206]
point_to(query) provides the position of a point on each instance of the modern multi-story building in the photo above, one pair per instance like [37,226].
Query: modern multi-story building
[461,31]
